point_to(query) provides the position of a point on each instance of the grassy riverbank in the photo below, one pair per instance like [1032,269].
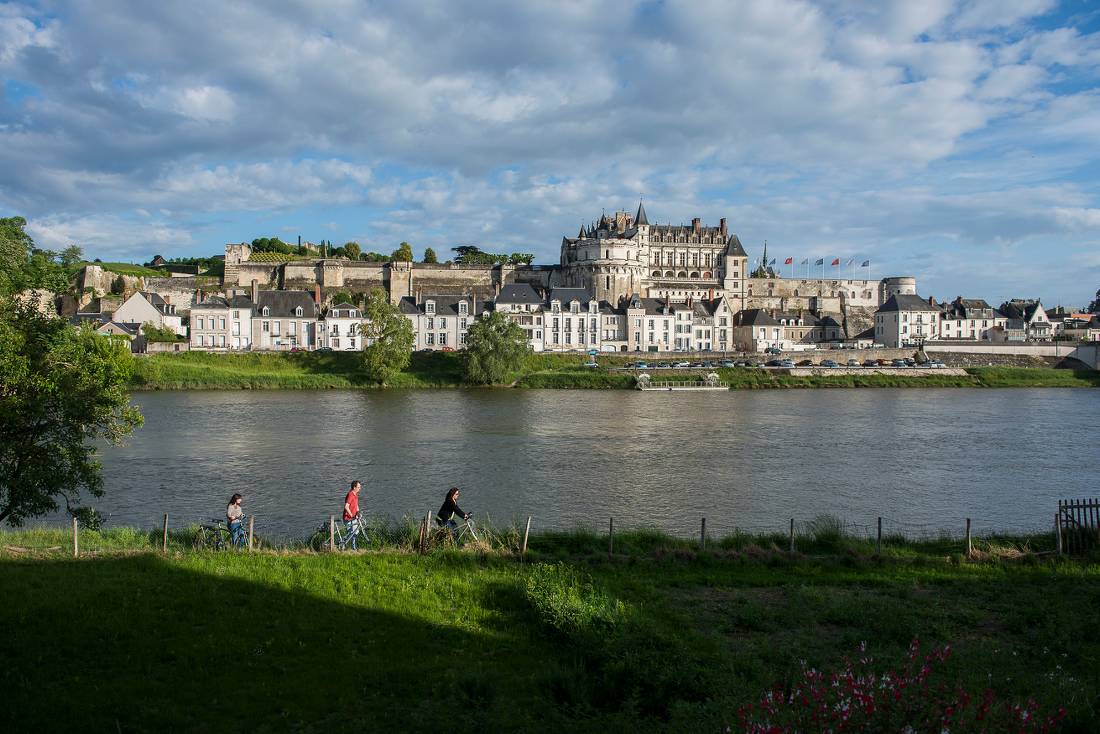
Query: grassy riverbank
[322,370]
[661,637]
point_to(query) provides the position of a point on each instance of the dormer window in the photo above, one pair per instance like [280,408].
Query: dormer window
[266,311]
[463,308]
[429,307]
[298,311]
[574,307]
[555,307]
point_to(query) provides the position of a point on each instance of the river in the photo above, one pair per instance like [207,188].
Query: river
[924,459]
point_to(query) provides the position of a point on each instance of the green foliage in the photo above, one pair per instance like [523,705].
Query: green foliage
[343,297]
[388,337]
[156,333]
[495,348]
[139,271]
[272,257]
[61,389]
[70,256]
[272,244]
[352,250]
[23,266]
[403,253]
[374,257]
[118,285]
[430,256]
[568,602]
[473,255]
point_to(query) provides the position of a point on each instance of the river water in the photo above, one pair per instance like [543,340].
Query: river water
[923,459]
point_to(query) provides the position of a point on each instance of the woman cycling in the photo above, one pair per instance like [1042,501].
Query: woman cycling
[447,512]
[233,515]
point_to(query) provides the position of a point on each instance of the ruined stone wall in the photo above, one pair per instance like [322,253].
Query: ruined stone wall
[181,292]
[265,273]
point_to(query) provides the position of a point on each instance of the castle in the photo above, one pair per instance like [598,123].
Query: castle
[614,258]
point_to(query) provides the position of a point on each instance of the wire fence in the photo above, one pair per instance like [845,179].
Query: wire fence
[821,534]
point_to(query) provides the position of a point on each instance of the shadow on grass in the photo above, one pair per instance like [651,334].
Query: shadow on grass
[142,643]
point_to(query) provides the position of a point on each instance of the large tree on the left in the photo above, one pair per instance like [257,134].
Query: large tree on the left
[61,391]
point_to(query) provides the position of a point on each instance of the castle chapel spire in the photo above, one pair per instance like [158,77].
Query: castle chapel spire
[640,217]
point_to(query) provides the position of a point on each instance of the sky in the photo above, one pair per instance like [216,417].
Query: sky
[957,141]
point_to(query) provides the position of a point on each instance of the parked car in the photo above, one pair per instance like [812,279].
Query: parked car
[805,363]
[727,364]
[899,363]
[788,363]
[663,365]
[853,363]
[590,364]
[324,349]
[936,365]
[871,363]
[829,363]
[773,350]
[682,365]
[773,363]
[641,366]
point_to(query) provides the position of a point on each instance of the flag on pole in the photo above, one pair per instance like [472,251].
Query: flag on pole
[806,261]
[851,261]
[866,264]
[772,262]
[788,261]
[820,261]
[836,261]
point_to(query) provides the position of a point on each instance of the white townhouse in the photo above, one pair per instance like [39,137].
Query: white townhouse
[210,324]
[656,325]
[1025,320]
[440,322]
[572,321]
[970,319]
[144,307]
[907,320]
[341,328]
[284,320]
[756,330]
[523,305]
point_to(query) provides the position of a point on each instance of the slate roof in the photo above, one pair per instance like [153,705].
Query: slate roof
[518,293]
[754,317]
[568,295]
[734,247]
[640,217]
[157,302]
[445,305]
[212,302]
[283,303]
[1019,309]
[907,302]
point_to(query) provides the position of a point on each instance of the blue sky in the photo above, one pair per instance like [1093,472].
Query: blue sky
[954,140]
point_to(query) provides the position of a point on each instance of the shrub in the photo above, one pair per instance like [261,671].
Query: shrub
[906,698]
[567,601]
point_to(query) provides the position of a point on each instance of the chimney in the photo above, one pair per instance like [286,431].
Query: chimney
[711,296]
[722,226]
[167,299]
[418,292]
[696,224]
[931,300]
[317,294]
[473,303]
[255,291]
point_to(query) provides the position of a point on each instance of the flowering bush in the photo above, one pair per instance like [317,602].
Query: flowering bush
[857,698]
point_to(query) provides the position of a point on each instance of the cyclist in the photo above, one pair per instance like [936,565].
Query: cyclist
[447,512]
[233,517]
[351,516]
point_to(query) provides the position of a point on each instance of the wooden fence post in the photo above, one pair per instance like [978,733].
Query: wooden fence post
[332,532]
[878,538]
[422,536]
[610,537]
[703,534]
[76,540]
[526,533]
[1058,529]
[164,538]
[251,521]
[969,545]
[792,535]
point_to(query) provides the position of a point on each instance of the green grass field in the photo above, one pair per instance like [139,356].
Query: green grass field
[320,370]
[660,637]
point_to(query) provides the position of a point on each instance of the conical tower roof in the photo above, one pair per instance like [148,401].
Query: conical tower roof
[640,217]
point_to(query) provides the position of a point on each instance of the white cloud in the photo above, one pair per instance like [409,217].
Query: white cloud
[108,236]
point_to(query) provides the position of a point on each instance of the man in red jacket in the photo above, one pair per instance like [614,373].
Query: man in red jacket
[351,517]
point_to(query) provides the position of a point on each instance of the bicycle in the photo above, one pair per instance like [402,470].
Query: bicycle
[460,535]
[319,541]
[216,535]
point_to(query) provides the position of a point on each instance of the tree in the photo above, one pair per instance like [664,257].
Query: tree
[387,336]
[375,257]
[430,256]
[71,255]
[272,244]
[1094,307]
[342,297]
[403,253]
[521,258]
[352,250]
[61,391]
[155,333]
[22,265]
[495,348]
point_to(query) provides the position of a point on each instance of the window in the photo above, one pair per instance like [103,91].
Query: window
[442,323]
[336,329]
[574,307]
[292,328]
[568,323]
[335,343]
[236,328]
[462,324]
[538,334]
[608,285]
[651,323]
[461,338]
[298,311]
[221,324]
[429,307]
[266,311]
[266,326]
[429,338]
[236,314]
[221,340]
[431,323]
[651,337]
[463,308]
[442,338]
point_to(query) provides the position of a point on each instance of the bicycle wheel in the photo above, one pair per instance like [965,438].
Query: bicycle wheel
[319,541]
